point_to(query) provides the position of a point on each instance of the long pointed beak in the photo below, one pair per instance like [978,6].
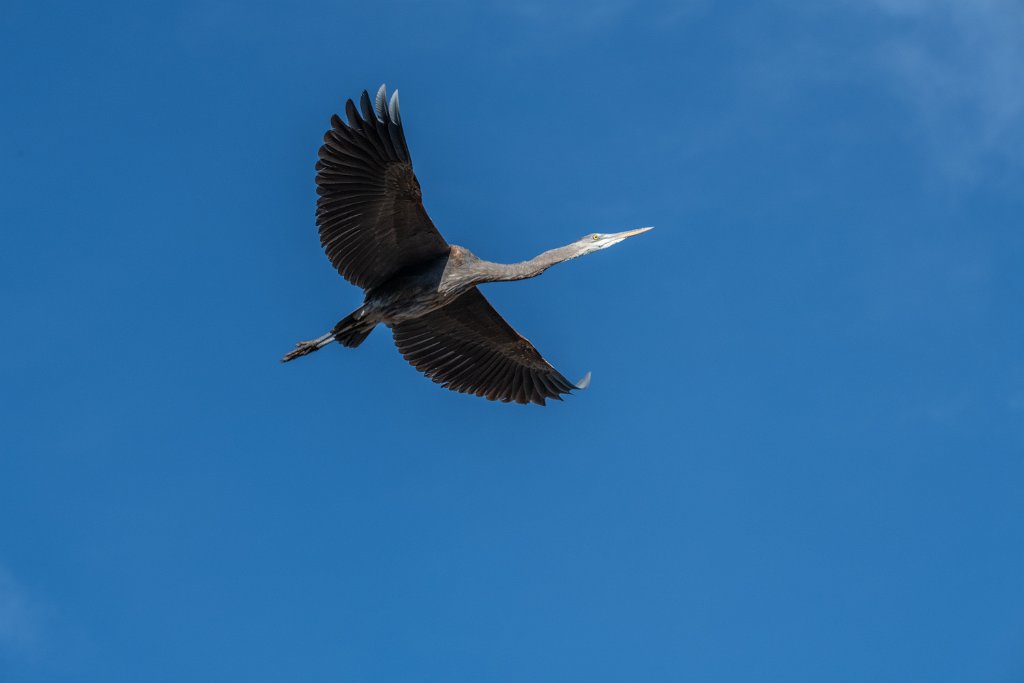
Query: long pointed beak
[630,233]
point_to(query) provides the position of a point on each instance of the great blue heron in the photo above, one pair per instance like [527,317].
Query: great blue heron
[377,234]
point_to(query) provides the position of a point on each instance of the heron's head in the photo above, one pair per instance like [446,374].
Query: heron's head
[602,240]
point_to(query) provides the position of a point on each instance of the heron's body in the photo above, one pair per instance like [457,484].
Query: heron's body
[379,237]
[422,288]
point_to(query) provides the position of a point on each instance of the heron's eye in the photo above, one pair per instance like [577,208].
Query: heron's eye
[596,236]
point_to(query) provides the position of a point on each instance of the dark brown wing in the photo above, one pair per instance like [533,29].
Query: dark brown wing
[466,346]
[371,218]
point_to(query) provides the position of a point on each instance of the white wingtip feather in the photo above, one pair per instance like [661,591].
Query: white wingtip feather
[380,102]
[393,109]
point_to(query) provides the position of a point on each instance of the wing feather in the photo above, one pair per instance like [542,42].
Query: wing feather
[468,347]
[370,211]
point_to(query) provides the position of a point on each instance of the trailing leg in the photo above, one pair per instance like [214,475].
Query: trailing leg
[349,332]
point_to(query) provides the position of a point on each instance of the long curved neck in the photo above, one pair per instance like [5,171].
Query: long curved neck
[503,272]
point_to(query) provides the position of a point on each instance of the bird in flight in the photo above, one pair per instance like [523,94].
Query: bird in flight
[377,234]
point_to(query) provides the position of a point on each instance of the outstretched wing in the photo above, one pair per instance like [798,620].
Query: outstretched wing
[370,214]
[466,346]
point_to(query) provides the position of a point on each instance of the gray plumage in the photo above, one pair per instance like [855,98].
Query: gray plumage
[378,236]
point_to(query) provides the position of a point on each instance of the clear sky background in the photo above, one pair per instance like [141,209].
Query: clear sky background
[802,454]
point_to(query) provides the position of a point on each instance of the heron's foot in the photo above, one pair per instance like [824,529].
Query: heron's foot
[304,347]
[301,349]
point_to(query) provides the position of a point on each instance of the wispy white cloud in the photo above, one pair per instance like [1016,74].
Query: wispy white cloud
[960,65]
[19,618]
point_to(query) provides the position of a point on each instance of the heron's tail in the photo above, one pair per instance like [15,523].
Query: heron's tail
[353,329]
[349,332]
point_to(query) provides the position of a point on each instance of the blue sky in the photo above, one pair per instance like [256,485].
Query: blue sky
[800,457]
